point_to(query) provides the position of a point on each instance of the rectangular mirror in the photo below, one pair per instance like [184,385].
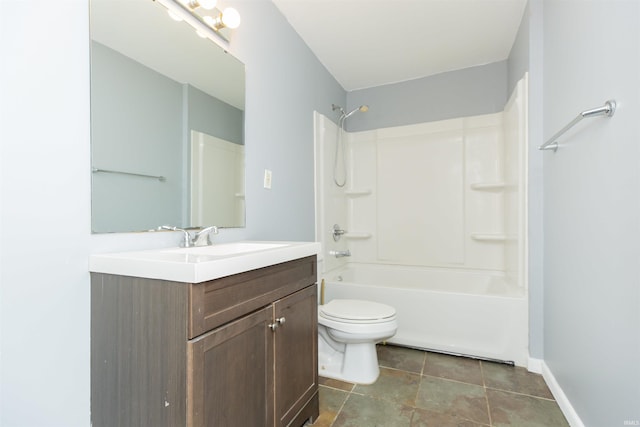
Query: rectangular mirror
[167,122]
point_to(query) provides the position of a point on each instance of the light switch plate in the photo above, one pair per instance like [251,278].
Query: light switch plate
[267,179]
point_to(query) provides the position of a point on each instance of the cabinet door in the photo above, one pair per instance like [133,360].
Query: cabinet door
[296,356]
[230,374]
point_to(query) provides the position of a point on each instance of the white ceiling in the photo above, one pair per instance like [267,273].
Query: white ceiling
[367,43]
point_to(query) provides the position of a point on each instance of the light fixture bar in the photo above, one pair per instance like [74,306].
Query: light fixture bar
[195,20]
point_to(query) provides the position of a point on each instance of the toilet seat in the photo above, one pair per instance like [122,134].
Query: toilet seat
[356,311]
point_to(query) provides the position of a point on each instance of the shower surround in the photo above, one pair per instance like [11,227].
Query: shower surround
[435,220]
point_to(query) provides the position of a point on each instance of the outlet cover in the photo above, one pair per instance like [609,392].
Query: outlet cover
[267,179]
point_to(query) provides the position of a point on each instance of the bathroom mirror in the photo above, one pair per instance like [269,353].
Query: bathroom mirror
[167,122]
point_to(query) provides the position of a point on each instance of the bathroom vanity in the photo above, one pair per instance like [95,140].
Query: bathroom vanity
[234,343]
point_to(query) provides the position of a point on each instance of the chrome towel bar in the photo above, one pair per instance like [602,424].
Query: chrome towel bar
[608,109]
[159,178]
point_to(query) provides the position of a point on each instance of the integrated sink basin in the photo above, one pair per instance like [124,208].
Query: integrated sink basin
[227,249]
[202,263]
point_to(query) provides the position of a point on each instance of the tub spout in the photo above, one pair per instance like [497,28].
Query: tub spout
[340,254]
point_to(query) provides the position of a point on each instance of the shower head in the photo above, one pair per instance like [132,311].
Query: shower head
[362,108]
[344,114]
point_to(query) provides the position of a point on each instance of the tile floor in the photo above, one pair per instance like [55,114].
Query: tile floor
[423,389]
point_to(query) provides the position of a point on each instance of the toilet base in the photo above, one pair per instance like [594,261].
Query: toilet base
[357,364]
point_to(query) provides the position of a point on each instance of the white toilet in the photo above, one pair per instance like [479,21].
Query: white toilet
[348,331]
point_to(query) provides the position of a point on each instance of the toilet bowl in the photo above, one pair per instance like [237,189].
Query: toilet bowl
[348,331]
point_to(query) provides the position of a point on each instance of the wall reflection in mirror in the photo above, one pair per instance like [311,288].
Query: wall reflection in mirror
[167,122]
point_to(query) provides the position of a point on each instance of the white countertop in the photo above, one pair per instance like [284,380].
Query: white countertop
[200,264]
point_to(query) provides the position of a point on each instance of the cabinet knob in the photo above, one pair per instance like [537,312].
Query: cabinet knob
[279,321]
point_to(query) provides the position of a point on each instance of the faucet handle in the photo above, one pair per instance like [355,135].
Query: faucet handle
[186,241]
[337,232]
[204,233]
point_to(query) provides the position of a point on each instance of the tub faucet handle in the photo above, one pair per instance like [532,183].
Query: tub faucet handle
[337,232]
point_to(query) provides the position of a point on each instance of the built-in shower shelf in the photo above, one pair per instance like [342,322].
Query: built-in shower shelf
[357,192]
[489,237]
[239,195]
[488,186]
[357,235]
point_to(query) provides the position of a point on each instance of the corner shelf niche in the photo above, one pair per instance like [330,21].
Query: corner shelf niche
[492,237]
[357,235]
[488,186]
[358,192]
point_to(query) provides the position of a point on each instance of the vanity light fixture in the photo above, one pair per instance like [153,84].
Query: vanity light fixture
[229,18]
[214,22]
[205,4]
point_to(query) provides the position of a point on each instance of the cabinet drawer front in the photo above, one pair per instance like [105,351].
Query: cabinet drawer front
[219,301]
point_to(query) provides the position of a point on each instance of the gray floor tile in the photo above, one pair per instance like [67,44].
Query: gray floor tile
[393,385]
[456,368]
[467,401]
[423,389]
[426,418]
[331,402]
[406,359]
[365,411]
[340,385]
[514,378]
[511,409]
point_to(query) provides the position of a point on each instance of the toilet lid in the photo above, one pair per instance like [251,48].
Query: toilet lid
[357,310]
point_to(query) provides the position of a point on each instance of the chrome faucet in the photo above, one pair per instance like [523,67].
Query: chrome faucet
[186,238]
[337,232]
[200,238]
[340,254]
[203,237]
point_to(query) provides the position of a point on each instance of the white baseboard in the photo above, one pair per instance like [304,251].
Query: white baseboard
[563,402]
[535,365]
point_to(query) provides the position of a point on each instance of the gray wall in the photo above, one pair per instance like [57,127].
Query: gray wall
[592,208]
[136,126]
[285,84]
[45,230]
[468,92]
[45,213]
[518,61]
[211,116]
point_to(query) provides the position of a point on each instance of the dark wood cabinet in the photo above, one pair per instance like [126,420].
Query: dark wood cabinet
[296,343]
[236,351]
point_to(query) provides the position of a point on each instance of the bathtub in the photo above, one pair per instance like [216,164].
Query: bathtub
[471,313]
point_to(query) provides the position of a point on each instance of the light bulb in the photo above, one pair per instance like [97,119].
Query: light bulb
[207,4]
[231,18]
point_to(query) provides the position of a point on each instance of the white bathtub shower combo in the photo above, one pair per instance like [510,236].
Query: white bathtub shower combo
[434,219]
